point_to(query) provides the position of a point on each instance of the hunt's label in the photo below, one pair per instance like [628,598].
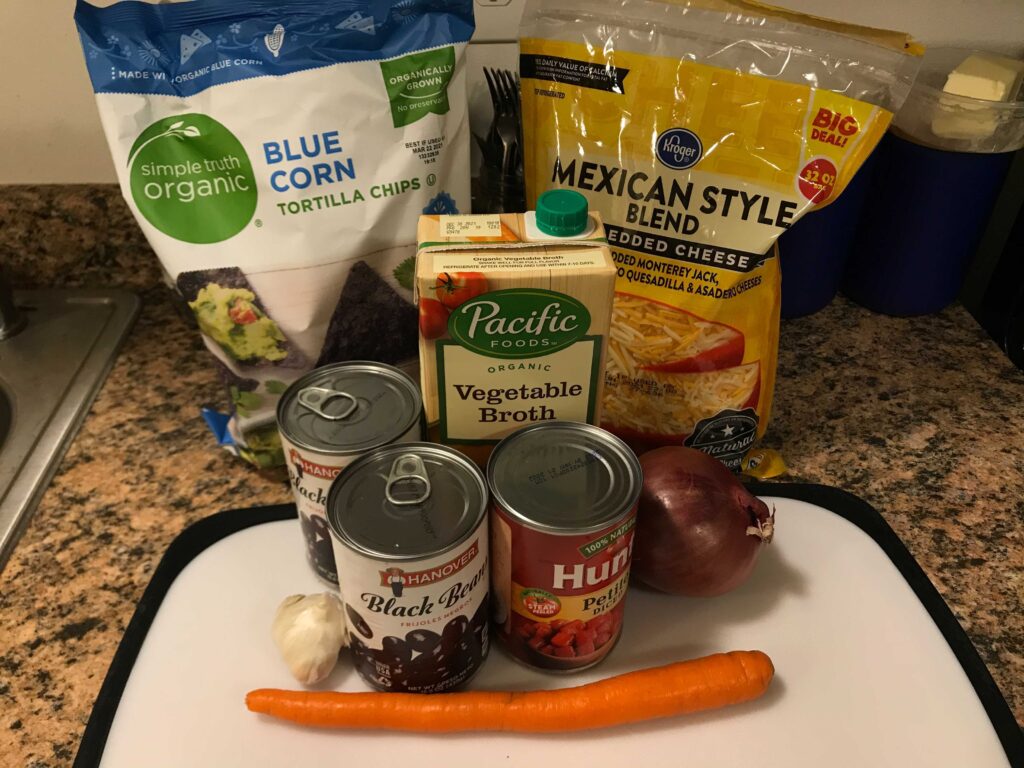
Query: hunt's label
[558,599]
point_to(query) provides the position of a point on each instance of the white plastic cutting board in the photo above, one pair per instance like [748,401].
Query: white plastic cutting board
[863,676]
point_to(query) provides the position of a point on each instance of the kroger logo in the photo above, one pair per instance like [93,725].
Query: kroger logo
[679,148]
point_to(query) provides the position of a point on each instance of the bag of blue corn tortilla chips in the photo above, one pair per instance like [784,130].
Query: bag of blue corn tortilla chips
[277,155]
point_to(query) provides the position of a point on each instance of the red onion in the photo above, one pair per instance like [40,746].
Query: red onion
[699,530]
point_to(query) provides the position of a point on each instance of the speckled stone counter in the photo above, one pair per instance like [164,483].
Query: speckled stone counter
[924,418]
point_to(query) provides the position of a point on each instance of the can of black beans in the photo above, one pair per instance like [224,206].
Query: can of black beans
[563,511]
[409,525]
[328,419]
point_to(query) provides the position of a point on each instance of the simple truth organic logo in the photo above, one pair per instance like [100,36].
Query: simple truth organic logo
[192,179]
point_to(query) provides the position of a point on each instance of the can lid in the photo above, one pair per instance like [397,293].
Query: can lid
[562,213]
[407,500]
[349,408]
[564,476]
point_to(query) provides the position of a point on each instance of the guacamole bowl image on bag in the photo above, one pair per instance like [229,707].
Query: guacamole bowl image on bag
[700,130]
[277,156]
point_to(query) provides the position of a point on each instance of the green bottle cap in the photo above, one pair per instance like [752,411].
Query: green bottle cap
[562,213]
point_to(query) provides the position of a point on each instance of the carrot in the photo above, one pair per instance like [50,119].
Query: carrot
[674,689]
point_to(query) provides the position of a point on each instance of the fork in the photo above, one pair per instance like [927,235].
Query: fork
[504,90]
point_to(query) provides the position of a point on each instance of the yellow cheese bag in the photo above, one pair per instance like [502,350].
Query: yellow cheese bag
[700,131]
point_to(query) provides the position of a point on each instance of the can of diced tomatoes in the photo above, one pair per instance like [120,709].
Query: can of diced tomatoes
[409,524]
[564,498]
[327,419]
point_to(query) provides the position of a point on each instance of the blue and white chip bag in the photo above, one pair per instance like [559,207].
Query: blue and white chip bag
[277,155]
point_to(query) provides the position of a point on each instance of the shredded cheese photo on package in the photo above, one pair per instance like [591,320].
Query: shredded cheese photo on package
[700,131]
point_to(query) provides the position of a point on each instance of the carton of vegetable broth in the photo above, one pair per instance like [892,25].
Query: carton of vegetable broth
[514,319]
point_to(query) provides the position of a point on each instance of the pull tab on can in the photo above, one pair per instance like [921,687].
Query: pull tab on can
[317,398]
[407,482]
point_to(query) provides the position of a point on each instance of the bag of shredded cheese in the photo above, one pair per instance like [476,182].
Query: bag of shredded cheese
[278,155]
[701,131]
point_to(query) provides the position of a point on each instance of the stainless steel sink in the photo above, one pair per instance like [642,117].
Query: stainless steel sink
[50,371]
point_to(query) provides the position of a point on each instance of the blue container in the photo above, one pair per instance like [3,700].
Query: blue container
[925,212]
[813,253]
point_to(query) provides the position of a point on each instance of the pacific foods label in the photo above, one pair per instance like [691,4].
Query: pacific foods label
[514,357]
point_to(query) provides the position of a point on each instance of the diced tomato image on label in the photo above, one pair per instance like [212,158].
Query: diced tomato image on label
[568,644]
[817,180]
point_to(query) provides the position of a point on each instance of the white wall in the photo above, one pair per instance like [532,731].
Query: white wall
[52,134]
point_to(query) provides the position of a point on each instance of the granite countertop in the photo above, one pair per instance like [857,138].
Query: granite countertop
[923,418]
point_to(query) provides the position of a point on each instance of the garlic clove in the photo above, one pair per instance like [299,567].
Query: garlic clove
[309,631]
